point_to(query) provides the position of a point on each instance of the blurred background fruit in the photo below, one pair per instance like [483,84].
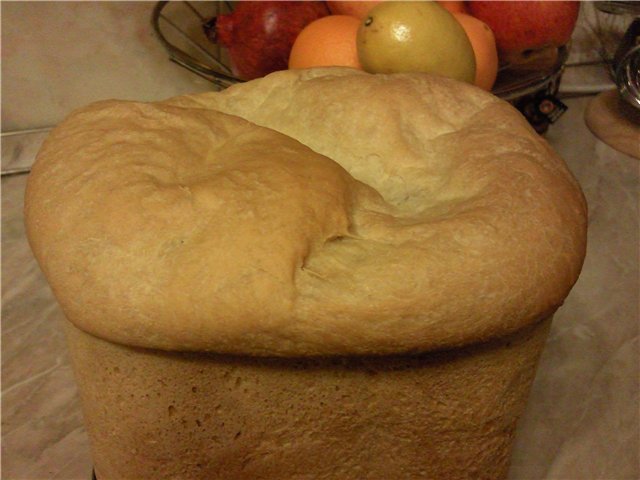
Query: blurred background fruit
[527,25]
[530,60]
[328,41]
[454,6]
[355,8]
[258,35]
[484,47]
[452,38]
[415,37]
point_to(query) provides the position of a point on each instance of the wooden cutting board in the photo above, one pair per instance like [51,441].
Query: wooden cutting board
[615,122]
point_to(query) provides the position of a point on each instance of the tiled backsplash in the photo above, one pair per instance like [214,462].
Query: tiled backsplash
[57,56]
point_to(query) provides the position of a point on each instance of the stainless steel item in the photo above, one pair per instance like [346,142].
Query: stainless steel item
[627,65]
[622,56]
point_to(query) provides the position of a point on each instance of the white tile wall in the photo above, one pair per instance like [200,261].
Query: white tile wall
[57,56]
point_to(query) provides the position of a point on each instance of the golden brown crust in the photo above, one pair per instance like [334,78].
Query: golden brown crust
[447,415]
[309,212]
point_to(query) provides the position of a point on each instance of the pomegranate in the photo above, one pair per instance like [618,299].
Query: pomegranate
[258,35]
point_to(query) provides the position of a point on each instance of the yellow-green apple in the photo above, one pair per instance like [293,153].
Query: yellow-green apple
[521,26]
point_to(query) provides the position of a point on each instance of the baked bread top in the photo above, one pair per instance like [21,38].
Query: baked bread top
[314,212]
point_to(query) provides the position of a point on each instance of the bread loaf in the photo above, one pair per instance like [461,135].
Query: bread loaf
[320,274]
[317,212]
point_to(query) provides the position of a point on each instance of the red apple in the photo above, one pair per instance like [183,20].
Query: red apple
[527,25]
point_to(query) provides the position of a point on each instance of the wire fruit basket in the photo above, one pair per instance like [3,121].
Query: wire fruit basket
[178,26]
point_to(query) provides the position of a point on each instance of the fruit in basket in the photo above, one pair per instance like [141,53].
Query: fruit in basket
[454,6]
[328,41]
[484,47]
[415,37]
[258,35]
[520,26]
[356,8]
[532,60]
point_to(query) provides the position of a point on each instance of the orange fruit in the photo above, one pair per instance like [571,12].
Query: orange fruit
[454,6]
[355,9]
[328,41]
[484,47]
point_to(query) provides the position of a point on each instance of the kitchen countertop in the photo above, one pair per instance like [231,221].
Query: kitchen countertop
[582,421]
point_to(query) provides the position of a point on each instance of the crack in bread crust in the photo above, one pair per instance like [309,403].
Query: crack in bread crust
[306,213]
